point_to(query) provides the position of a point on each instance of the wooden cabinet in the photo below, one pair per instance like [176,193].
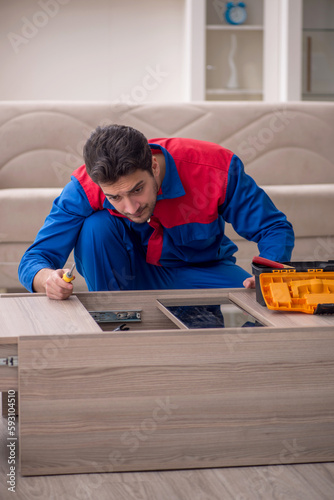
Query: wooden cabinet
[160,395]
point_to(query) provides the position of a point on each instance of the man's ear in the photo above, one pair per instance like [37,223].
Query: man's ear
[155,166]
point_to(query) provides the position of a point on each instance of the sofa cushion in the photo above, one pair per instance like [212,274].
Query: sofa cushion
[23,211]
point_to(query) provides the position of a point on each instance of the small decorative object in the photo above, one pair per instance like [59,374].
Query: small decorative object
[235,13]
[233,80]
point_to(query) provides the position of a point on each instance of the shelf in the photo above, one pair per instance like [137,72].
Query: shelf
[318,94]
[234,92]
[219,27]
[319,30]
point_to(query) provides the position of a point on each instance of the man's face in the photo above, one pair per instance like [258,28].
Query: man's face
[134,195]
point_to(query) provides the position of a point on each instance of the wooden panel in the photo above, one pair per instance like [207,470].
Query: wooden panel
[168,400]
[38,315]
[246,299]
[152,317]
[279,482]
[290,319]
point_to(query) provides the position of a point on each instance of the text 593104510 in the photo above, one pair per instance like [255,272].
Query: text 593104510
[11,441]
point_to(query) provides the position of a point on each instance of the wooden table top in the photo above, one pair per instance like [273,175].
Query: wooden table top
[35,314]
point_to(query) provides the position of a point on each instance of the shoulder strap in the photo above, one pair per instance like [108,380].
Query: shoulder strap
[93,192]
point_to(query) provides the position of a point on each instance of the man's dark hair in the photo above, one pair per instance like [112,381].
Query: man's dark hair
[114,151]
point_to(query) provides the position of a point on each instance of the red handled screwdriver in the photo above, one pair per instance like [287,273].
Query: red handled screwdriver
[271,263]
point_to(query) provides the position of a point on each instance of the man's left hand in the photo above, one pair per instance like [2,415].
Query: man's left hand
[249,282]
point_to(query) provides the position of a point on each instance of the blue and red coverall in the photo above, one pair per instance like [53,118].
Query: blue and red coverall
[183,244]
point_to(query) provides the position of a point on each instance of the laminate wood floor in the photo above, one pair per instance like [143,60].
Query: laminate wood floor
[279,482]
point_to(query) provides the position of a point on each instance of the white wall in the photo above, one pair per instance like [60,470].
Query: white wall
[125,50]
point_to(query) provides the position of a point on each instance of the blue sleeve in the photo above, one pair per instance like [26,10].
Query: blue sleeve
[57,237]
[254,216]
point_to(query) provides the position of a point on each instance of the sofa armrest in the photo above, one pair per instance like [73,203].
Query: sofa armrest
[309,207]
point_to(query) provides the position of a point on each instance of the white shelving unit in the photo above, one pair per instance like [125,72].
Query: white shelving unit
[258,60]
[225,61]
[318,50]
[234,54]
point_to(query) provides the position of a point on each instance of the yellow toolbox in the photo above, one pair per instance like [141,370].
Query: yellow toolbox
[300,288]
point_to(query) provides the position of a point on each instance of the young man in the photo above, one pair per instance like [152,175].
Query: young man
[151,215]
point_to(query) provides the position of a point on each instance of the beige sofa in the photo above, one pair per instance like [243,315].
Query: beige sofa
[287,148]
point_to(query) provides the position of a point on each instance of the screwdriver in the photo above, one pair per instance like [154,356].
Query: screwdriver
[270,263]
[68,277]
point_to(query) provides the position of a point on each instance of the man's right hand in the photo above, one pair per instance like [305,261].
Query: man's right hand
[51,282]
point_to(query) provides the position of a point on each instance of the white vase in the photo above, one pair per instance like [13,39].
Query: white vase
[233,79]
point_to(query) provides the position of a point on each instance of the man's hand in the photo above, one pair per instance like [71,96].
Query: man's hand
[249,282]
[51,282]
